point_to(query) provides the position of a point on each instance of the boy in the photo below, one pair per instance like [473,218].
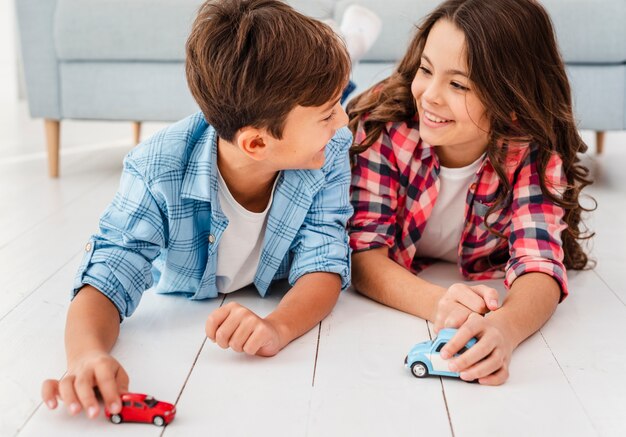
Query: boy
[253,189]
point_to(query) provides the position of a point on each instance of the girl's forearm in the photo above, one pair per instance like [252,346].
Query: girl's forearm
[380,278]
[530,302]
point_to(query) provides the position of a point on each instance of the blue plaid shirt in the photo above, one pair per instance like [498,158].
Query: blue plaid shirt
[166,215]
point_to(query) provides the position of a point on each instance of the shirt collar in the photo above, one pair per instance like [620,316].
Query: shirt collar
[200,179]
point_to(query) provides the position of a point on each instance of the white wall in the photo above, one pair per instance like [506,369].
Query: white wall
[8,55]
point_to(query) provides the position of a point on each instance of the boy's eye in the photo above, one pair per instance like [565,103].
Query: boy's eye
[330,117]
[458,86]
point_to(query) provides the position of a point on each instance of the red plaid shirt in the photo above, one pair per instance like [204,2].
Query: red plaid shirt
[395,184]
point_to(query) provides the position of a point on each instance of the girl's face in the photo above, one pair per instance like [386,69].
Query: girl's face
[450,113]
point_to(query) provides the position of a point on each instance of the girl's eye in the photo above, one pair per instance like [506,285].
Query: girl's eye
[330,117]
[458,86]
[424,70]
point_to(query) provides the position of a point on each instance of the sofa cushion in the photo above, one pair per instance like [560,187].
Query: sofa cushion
[588,31]
[137,30]
[154,91]
[599,95]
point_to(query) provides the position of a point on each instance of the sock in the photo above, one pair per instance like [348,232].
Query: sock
[360,27]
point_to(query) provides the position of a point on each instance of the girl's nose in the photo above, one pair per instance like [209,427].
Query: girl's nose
[432,94]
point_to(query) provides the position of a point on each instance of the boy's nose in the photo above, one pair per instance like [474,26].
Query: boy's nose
[342,117]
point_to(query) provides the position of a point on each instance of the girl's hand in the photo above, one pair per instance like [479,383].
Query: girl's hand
[488,360]
[77,388]
[235,326]
[459,301]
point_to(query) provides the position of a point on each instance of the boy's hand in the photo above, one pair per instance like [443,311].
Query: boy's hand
[459,301]
[488,360]
[77,388]
[235,326]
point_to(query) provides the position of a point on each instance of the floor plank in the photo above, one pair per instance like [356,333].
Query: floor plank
[32,339]
[232,394]
[607,221]
[586,337]
[537,398]
[157,347]
[362,387]
[26,205]
[28,261]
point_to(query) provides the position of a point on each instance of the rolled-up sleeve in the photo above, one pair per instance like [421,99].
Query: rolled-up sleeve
[321,244]
[535,243]
[118,260]
[374,195]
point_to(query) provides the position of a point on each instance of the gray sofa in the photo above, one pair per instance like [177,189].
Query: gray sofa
[124,59]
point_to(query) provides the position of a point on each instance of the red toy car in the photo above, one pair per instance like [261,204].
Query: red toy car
[138,407]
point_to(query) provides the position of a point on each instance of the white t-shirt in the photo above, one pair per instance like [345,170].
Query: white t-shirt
[443,230]
[239,249]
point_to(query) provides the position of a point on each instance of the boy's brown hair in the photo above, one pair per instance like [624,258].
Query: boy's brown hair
[250,62]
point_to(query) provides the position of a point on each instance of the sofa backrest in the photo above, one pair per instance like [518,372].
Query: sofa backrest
[588,31]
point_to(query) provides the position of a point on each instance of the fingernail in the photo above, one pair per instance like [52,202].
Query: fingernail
[51,404]
[453,367]
[445,355]
[74,408]
[92,411]
[494,303]
[114,407]
[463,375]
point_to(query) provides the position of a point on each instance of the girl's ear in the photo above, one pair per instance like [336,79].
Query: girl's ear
[250,141]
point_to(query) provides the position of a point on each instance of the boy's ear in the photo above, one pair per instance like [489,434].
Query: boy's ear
[250,141]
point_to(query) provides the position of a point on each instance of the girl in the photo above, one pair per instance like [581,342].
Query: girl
[468,153]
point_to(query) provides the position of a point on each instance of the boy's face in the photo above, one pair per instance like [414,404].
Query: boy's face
[305,135]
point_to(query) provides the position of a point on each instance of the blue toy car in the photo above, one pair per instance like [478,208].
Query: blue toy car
[424,358]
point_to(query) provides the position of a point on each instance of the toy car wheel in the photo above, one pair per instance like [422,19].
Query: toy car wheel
[116,419]
[419,369]
[158,421]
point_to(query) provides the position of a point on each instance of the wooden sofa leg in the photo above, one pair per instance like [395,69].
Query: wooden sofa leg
[53,135]
[599,142]
[137,132]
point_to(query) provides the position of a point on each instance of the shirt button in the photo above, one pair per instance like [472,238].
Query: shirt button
[211,238]
[88,247]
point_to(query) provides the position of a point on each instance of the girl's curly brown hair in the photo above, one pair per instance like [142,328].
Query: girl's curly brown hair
[516,68]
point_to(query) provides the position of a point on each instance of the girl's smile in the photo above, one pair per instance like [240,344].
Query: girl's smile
[434,121]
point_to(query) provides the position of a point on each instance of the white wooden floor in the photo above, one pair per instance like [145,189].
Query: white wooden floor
[344,378]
